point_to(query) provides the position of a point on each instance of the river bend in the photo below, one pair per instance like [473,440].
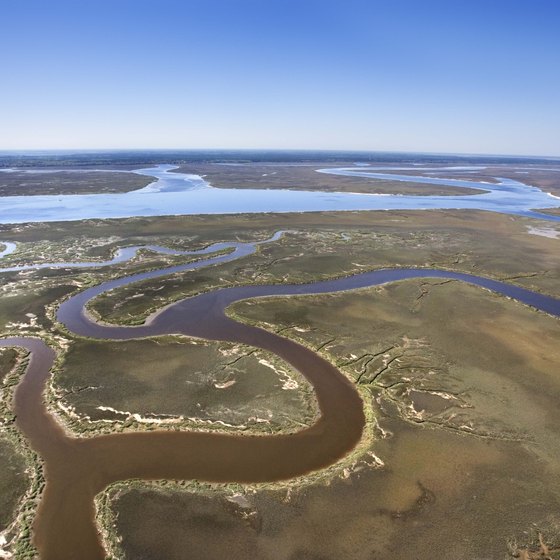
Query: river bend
[76,469]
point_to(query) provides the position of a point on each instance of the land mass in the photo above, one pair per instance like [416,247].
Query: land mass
[430,359]
[305,177]
[62,182]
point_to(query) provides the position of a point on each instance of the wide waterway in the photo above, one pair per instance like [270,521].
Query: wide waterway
[76,469]
[178,193]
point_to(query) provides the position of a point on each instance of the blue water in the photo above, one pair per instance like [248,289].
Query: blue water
[9,248]
[175,193]
[124,254]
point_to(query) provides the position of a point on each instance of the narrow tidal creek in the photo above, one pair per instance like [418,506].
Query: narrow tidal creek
[76,469]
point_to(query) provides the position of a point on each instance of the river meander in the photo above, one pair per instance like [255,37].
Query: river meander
[76,469]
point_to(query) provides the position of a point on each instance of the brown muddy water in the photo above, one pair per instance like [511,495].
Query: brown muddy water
[76,469]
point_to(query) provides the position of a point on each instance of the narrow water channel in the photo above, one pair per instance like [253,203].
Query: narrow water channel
[76,469]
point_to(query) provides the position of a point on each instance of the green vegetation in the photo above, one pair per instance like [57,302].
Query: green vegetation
[305,177]
[477,242]
[465,406]
[464,386]
[391,338]
[172,380]
[13,481]
[21,477]
[22,183]
[28,296]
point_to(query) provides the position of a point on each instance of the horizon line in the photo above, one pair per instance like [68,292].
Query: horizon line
[69,151]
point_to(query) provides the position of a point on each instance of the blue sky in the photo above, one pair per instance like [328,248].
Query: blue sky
[433,76]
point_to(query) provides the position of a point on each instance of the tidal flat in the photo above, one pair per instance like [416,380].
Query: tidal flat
[471,471]
[318,246]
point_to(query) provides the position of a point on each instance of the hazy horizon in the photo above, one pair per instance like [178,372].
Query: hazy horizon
[311,151]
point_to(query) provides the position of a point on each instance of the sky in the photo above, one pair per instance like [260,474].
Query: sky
[431,76]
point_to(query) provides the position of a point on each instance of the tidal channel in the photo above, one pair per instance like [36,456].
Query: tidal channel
[76,469]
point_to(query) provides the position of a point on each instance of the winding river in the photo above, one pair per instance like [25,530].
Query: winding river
[76,469]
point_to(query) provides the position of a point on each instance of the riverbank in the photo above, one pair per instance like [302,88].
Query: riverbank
[346,240]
